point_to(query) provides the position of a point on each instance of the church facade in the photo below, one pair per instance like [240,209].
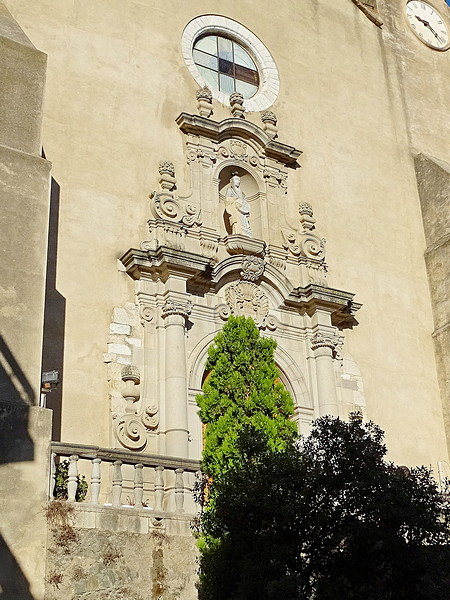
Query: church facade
[167,165]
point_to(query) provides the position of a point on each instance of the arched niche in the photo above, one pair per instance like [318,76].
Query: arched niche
[290,373]
[251,189]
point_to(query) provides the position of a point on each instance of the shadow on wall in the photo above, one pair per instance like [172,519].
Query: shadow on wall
[54,314]
[16,397]
[13,583]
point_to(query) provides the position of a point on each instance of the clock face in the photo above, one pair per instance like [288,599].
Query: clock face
[427,24]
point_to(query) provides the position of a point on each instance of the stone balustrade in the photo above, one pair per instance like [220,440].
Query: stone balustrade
[123,479]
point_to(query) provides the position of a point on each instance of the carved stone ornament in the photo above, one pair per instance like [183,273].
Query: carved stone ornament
[131,428]
[209,245]
[131,432]
[241,244]
[204,99]
[166,206]
[235,149]
[167,179]
[237,105]
[147,314]
[324,340]
[204,93]
[302,242]
[252,268]
[269,119]
[172,307]
[307,221]
[150,418]
[223,311]
[277,257]
[246,298]
[131,373]
[166,166]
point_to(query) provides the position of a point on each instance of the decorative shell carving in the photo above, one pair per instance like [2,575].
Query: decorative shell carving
[246,298]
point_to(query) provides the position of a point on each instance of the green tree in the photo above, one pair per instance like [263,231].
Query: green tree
[242,390]
[324,518]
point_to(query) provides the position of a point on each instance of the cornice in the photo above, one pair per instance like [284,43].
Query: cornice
[163,262]
[337,302]
[238,128]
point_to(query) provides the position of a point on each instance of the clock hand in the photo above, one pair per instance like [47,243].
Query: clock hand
[427,24]
[422,21]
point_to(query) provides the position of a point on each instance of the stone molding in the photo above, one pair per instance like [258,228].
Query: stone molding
[338,303]
[241,244]
[164,261]
[238,128]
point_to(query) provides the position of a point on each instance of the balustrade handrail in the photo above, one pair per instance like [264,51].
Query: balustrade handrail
[168,485]
[133,458]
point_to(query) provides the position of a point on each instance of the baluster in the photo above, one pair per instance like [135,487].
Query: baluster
[52,482]
[117,483]
[95,480]
[159,487]
[72,484]
[138,485]
[179,490]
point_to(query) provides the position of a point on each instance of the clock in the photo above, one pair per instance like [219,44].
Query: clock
[427,24]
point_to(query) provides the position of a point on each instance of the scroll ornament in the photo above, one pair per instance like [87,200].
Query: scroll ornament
[131,428]
[303,242]
[166,205]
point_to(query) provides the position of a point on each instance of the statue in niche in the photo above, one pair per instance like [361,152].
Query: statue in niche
[237,207]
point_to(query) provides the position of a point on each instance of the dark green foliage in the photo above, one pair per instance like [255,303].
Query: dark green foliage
[242,390]
[61,480]
[324,519]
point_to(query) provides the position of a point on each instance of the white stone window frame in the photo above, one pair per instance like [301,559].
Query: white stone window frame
[269,82]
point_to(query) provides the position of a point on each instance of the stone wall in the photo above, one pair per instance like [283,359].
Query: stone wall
[97,553]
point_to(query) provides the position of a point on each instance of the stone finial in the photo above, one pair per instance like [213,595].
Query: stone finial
[306,216]
[167,179]
[204,99]
[237,105]
[269,119]
[130,388]
[130,373]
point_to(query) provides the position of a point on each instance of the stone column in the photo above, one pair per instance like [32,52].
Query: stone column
[176,404]
[323,345]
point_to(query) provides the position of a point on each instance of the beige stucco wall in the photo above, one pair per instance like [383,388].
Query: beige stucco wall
[349,98]
[25,427]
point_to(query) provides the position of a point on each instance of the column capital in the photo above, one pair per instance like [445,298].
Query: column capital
[324,340]
[175,307]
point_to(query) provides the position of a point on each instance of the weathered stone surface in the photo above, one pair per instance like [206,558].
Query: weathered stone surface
[120,560]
